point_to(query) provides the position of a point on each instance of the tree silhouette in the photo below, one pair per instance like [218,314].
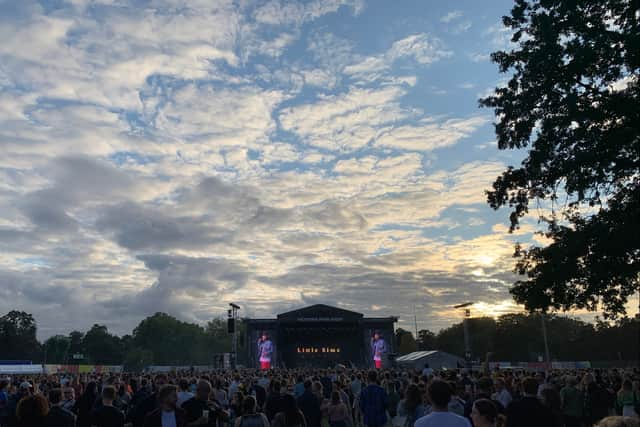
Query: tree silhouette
[573,101]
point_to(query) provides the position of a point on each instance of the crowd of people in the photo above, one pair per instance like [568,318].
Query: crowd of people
[324,398]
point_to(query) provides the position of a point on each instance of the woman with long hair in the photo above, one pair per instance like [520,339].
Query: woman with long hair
[32,411]
[412,406]
[250,416]
[290,416]
[338,412]
[235,405]
[85,403]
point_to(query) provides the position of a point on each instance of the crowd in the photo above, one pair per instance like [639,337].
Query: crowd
[324,398]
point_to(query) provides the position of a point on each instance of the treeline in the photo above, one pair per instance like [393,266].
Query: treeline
[164,340]
[159,339]
[519,338]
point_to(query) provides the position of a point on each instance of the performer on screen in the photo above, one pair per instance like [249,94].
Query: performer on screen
[265,350]
[378,349]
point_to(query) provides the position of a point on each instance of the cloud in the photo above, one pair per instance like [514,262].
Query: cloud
[454,14]
[430,135]
[182,284]
[421,48]
[184,155]
[214,117]
[499,36]
[277,12]
[347,121]
[78,56]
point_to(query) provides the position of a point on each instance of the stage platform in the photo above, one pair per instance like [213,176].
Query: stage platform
[319,336]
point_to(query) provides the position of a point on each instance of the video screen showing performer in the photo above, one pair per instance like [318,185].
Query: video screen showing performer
[378,349]
[265,351]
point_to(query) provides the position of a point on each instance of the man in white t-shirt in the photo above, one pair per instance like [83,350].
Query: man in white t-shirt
[440,395]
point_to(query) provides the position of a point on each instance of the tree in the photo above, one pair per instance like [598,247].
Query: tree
[173,342]
[136,359]
[56,349]
[482,334]
[18,337]
[427,340]
[101,347]
[405,341]
[573,100]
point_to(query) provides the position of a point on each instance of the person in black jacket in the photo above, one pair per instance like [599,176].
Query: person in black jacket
[168,410]
[196,406]
[85,403]
[310,406]
[484,390]
[147,403]
[107,415]
[58,416]
[274,402]
[529,411]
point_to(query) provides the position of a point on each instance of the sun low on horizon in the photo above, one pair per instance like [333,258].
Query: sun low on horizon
[175,156]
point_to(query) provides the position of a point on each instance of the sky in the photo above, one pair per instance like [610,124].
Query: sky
[175,156]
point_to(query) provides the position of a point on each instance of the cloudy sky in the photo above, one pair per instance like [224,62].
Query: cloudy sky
[167,155]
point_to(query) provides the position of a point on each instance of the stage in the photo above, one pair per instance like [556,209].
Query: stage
[319,336]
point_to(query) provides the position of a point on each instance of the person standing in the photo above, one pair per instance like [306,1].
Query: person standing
[4,403]
[184,394]
[627,400]
[502,395]
[378,349]
[529,411]
[273,404]
[202,411]
[250,416]
[69,400]
[168,414]
[571,401]
[439,393]
[338,411]
[147,402]
[485,414]
[373,402]
[84,404]
[309,404]
[58,416]
[107,415]
[412,408]
[32,411]
[265,351]
[290,416]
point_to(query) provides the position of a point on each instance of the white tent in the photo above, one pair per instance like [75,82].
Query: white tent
[435,358]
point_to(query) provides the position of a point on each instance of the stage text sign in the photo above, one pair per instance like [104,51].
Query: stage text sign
[318,349]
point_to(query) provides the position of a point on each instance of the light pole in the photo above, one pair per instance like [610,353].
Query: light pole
[467,338]
[546,342]
[415,321]
[233,317]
